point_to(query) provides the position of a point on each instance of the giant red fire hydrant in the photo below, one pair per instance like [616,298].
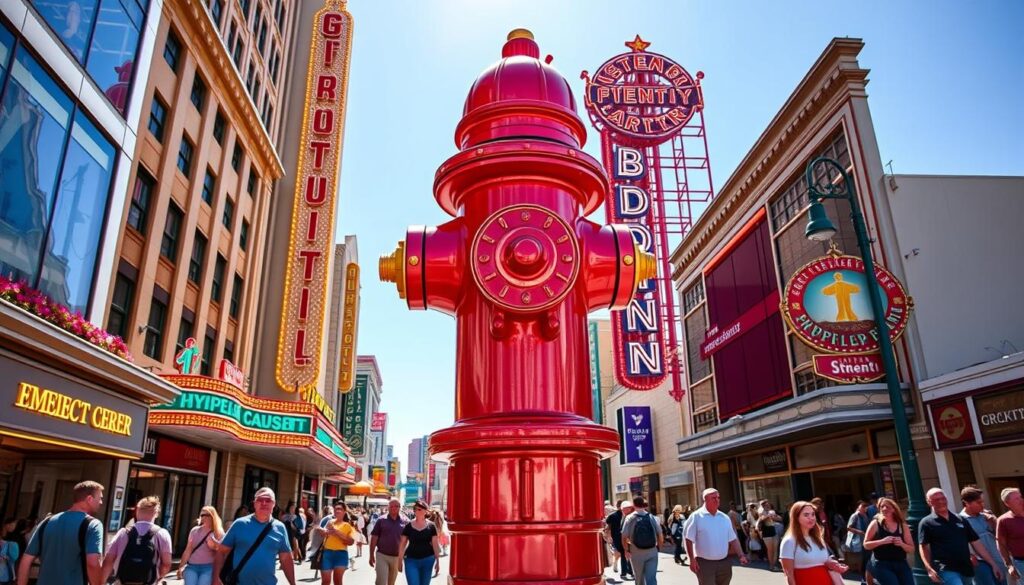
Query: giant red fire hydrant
[520,267]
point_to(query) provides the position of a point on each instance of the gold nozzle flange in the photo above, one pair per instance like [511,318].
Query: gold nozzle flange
[392,268]
[646,266]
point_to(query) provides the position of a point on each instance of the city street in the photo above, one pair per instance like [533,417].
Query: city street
[669,573]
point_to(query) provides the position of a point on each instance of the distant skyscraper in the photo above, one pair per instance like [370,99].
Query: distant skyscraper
[416,456]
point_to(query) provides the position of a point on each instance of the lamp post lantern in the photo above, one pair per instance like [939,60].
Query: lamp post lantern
[820,228]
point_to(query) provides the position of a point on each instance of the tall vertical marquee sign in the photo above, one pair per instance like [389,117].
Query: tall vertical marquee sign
[649,111]
[316,182]
[349,322]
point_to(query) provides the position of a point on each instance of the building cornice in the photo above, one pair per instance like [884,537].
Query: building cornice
[194,22]
[1006,370]
[834,77]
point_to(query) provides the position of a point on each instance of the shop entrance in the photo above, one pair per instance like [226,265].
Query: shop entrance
[841,488]
[181,498]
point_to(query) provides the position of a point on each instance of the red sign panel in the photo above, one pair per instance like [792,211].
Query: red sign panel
[849,369]
[716,338]
[379,421]
[171,453]
[952,422]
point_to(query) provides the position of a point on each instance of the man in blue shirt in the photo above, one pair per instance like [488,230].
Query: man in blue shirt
[68,543]
[259,570]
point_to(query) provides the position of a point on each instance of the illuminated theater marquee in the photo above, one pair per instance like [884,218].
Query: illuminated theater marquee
[312,228]
[639,340]
[645,96]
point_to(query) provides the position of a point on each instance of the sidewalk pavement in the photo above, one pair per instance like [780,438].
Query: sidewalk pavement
[669,573]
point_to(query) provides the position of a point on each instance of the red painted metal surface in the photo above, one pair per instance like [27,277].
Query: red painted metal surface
[520,268]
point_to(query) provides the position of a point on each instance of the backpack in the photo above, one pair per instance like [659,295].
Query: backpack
[83,528]
[138,561]
[643,532]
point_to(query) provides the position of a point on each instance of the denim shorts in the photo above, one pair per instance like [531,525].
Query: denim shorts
[334,559]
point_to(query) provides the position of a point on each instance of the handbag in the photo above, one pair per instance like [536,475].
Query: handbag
[316,560]
[229,573]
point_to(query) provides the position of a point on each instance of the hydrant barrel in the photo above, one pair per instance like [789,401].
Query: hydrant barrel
[520,267]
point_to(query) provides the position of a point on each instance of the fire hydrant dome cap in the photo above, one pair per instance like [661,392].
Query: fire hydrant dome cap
[520,97]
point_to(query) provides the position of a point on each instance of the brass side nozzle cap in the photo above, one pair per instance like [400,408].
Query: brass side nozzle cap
[392,268]
[520,33]
[646,266]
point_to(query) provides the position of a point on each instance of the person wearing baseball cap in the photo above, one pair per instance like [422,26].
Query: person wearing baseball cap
[613,535]
[265,537]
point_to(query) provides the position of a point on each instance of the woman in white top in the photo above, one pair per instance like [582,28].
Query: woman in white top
[805,557]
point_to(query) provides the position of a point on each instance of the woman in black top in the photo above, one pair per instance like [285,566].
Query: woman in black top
[888,537]
[419,547]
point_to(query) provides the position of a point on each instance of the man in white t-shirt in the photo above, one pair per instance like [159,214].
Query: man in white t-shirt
[123,558]
[710,538]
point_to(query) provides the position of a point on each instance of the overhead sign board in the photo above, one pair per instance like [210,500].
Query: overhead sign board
[643,96]
[304,302]
[636,435]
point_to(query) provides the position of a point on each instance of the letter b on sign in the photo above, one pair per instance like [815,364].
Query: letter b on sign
[629,163]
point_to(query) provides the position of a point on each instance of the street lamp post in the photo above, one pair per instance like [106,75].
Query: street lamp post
[820,228]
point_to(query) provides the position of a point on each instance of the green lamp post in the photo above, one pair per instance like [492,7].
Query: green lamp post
[820,228]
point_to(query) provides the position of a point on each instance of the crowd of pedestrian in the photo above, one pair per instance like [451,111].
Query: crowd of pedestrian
[68,547]
[812,546]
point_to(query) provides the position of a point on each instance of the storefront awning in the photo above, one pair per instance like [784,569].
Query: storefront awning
[63,392]
[828,410]
[293,435]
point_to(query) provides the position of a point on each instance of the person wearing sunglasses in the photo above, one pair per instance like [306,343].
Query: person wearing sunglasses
[419,547]
[196,566]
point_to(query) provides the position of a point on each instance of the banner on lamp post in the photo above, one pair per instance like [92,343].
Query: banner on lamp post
[636,435]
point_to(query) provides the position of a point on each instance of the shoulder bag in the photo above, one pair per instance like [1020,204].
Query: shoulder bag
[229,573]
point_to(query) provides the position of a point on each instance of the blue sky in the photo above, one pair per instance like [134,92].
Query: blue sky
[945,95]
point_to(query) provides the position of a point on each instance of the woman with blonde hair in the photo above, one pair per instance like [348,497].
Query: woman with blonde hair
[888,537]
[805,558]
[197,561]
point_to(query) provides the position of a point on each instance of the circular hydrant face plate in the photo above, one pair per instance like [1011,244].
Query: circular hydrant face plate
[525,258]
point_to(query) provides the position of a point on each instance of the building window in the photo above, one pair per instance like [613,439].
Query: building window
[280,15]
[261,44]
[195,263]
[236,156]
[56,172]
[258,18]
[157,118]
[807,381]
[695,327]
[198,95]
[693,296]
[243,235]
[275,56]
[236,297]
[209,187]
[245,8]
[219,124]
[209,343]
[229,350]
[121,305]
[172,51]
[250,76]
[793,199]
[228,217]
[184,156]
[153,344]
[104,37]
[138,210]
[186,329]
[236,55]
[216,10]
[268,113]
[255,478]
[172,232]
[217,289]
[250,186]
